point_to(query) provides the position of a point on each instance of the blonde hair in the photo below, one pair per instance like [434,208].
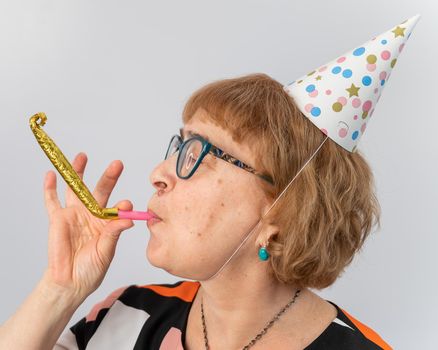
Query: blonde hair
[327,213]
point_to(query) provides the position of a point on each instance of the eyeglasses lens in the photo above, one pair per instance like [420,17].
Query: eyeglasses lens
[173,147]
[189,155]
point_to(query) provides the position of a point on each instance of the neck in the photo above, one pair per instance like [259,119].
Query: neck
[237,306]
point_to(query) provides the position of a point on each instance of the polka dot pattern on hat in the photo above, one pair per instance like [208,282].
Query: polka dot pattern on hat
[340,96]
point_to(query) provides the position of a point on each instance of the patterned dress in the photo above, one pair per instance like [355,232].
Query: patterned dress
[154,317]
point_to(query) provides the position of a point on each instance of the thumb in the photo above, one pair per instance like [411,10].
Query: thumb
[111,232]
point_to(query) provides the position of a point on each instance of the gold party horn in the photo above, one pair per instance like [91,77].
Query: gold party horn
[72,178]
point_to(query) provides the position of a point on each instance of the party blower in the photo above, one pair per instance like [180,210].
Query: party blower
[72,178]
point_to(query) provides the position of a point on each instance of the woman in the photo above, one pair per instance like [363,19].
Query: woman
[259,298]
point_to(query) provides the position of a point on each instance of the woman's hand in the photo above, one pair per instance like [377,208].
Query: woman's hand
[81,245]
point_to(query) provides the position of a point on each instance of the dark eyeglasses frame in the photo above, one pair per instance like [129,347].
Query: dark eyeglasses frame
[208,148]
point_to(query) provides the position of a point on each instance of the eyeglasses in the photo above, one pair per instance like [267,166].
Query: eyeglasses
[194,149]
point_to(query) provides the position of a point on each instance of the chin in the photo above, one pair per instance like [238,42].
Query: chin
[153,252]
[158,260]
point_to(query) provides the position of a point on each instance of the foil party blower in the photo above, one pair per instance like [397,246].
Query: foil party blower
[73,180]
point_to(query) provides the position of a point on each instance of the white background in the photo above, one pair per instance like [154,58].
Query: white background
[113,78]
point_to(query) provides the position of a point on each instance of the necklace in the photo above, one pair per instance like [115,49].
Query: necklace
[258,336]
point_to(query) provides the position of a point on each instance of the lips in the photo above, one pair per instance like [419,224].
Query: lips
[153,214]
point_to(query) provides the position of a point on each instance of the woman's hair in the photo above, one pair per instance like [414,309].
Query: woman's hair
[328,211]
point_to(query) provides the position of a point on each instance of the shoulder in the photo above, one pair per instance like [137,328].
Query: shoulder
[130,310]
[347,332]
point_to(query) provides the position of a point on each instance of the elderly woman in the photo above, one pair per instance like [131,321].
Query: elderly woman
[242,142]
[254,204]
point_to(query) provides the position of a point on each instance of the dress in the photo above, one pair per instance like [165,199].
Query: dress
[154,317]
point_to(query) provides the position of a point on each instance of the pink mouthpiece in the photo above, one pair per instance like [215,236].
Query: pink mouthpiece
[134,215]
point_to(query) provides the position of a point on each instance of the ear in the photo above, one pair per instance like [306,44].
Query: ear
[268,229]
[267,232]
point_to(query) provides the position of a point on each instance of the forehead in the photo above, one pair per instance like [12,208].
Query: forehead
[187,133]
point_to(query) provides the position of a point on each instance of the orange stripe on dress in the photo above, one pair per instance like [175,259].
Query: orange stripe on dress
[185,291]
[368,332]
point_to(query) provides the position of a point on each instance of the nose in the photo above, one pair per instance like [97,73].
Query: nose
[163,177]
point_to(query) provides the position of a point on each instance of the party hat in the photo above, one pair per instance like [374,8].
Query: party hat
[340,96]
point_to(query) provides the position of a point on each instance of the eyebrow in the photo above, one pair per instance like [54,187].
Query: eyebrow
[183,133]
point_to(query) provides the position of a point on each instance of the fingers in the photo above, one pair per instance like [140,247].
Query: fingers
[111,233]
[50,195]
[114,227]
[124,205]
[106,183]
[78,164]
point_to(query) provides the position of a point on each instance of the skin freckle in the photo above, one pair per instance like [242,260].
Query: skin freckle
[222,204]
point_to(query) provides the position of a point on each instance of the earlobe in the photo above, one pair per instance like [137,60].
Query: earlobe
[268,233]
[263,253]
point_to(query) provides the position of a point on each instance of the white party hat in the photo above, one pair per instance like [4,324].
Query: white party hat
[340,96]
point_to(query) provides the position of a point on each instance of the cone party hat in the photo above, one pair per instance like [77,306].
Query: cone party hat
[340,96]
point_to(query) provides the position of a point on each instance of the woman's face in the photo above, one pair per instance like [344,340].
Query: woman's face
[206,216]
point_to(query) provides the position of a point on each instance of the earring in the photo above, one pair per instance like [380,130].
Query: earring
[263,253]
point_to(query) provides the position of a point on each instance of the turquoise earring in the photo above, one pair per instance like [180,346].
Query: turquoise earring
[263,253]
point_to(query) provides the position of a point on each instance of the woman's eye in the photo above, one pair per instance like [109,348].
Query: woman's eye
[190,161]
[192,158]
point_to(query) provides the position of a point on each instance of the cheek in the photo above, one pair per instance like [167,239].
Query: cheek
[212,216]
[204,229]
[224,215]
[205,212]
